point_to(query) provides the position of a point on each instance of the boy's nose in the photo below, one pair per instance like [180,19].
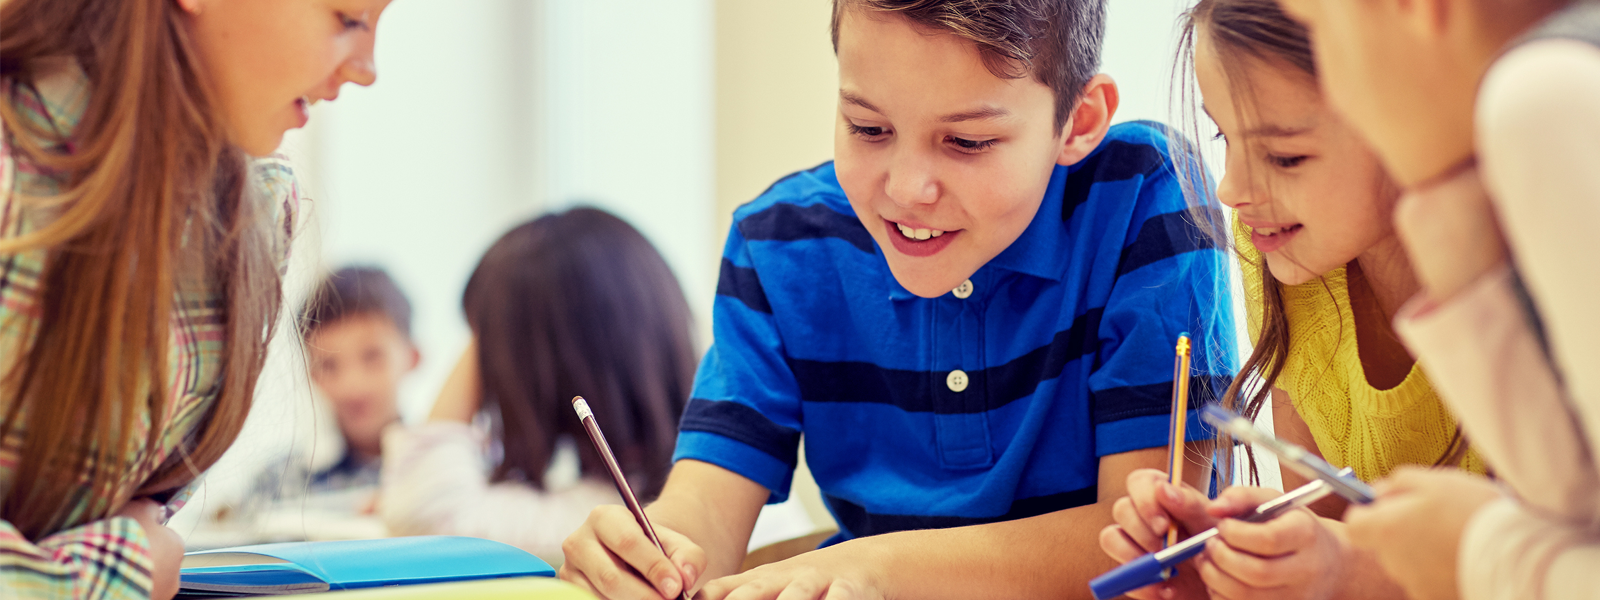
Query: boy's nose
[911,181]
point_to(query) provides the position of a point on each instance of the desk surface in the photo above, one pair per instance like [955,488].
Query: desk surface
[521,588]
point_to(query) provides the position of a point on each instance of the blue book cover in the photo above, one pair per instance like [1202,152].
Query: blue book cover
[304,567]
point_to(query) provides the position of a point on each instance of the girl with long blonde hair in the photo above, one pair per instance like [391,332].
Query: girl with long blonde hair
[140,244]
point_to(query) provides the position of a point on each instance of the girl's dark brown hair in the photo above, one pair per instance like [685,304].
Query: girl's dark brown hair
[580,304]
[154,204]
[1258,29]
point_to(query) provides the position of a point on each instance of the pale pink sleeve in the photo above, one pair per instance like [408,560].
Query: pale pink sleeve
[1482,354]
[1510,553]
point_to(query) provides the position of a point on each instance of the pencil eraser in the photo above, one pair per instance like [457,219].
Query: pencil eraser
[1184,334]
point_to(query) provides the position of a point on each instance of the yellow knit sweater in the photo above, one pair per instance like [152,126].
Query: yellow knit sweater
[1353,423]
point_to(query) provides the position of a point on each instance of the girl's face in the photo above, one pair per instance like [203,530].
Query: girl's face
[268,60]
[1312,193]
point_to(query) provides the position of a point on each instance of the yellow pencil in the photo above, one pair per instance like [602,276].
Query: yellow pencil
[1180,414]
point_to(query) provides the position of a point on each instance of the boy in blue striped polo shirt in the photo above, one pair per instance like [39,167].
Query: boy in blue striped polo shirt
[969,316]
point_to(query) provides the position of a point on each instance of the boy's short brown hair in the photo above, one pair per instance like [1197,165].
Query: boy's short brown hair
[355,291]
[1057,41]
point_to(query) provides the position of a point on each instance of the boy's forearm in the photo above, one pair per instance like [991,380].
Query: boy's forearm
[1048,556]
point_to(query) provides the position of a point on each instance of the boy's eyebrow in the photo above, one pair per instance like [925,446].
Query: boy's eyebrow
[987,112]
[853,98]
[1267,131]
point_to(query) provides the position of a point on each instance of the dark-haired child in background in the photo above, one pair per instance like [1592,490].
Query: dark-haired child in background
[356,328]
[569,304]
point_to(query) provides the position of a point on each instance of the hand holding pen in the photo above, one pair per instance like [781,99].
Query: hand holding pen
[1283,553]
[603,537]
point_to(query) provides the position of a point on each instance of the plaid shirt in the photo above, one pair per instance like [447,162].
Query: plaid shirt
[107,558]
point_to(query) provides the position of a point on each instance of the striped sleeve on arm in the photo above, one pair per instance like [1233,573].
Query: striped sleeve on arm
[1171,278]
[744,413]
[102,560]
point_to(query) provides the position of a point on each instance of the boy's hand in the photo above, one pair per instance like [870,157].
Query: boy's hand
[1291,557]
[835,573]
[166,546]
[609,552]
[1142,518]
[1415,527]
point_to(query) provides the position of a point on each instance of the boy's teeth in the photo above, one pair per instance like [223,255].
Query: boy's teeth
[918,234]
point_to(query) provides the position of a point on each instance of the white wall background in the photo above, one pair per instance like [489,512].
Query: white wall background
[486,113]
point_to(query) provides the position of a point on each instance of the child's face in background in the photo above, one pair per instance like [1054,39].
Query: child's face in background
[357,362]
[944,163]
[1312,192]
[267,59]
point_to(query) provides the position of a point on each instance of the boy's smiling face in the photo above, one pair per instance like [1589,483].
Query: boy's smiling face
[944,162]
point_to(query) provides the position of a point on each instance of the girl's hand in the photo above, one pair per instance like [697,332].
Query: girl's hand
[834,573]
[1294,556]
[1142,518]
[166,547]
[1415,527]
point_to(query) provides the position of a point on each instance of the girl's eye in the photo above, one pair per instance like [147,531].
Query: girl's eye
[1219,137]
[866,132]
[350,24]
[1287,162]
[970,146]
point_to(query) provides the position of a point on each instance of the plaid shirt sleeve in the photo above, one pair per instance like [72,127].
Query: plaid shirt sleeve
[106,560]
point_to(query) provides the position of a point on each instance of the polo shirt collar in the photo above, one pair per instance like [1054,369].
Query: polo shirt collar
[1041,251]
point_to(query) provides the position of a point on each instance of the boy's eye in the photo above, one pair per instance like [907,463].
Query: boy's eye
[351,24]
[1287,162]
[971,146]
[1220,137]
[866,132]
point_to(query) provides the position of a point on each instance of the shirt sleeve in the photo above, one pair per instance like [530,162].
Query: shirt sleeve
[1481,350]
[1510,553]
[744,412]
[1172,278]
[1537,128]
[102,560]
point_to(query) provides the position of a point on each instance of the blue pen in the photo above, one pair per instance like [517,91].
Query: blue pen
[1155,567]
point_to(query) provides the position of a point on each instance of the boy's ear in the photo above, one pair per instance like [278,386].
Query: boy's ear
[416,358]
[1090,120]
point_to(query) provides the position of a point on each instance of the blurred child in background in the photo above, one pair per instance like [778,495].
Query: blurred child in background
[356,328]
[570,304]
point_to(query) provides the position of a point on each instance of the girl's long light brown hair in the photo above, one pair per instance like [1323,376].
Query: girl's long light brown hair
[154,204]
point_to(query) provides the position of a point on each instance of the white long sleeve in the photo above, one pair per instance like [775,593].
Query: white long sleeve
[435,482]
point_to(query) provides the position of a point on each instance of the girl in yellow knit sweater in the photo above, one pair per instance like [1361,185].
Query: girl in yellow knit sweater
[1311,208]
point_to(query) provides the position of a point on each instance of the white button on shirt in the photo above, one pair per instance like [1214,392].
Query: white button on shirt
[962,291]
[957,380]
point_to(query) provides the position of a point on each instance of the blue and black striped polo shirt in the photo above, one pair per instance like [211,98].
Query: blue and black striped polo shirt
[990,403]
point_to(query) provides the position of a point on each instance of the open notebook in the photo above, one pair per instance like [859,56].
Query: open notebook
[305,567]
